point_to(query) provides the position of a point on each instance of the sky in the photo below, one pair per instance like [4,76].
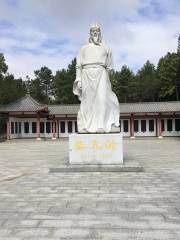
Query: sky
[36,33]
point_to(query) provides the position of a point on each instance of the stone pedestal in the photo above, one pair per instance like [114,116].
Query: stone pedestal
[96,149]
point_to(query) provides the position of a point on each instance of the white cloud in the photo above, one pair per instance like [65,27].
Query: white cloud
[149,41]
[136,30]
[25,64]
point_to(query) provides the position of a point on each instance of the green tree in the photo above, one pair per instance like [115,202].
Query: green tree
[3,66]
[122,82]
[167,71]
[36,90]
[178,75]
[41,86]
[3,71]
[11,89]
[147,84]
[126,76]
[63,84]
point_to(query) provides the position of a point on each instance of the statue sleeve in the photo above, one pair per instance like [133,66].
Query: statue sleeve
[109,63]
[76,89]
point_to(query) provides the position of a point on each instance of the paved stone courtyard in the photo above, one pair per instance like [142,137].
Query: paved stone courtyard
[36,204]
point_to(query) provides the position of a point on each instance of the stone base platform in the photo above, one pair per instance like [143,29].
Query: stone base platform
[128,166]
[96,149]
[97,153]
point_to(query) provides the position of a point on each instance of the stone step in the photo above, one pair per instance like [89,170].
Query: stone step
[128,166]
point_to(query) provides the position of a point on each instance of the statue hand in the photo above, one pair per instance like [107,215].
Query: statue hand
[110,71]
[80,85]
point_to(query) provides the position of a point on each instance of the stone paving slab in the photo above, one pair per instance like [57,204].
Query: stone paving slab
[89,205]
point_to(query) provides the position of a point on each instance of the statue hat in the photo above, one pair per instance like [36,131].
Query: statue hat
[95,26]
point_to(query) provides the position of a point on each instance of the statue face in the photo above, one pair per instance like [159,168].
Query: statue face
[95,35]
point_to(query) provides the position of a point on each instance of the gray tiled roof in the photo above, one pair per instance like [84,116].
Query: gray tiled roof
[24,104]
[64,109]
[145,107]
[150,107]
[28,104]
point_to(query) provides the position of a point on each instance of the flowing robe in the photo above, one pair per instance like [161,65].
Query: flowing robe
[99,108]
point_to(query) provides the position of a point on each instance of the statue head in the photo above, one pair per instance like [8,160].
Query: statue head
[95,34]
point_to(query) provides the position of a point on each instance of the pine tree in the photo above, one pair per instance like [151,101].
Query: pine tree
[147,84]
[63,84]
[41,86]
[167,74]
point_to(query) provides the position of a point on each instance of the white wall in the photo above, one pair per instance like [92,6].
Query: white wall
[173,133]
[30,134]
[66,134]
[147,133]
[125,134]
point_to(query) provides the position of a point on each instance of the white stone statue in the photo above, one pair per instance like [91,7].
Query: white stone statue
[99,108]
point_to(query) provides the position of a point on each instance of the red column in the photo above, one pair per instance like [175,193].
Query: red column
[57,127]
[159,126]
[8,129]
[132,126]
[38,126]
[54,129]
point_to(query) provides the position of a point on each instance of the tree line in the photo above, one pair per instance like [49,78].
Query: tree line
[150,83]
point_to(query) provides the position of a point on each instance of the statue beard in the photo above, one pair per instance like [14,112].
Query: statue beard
[95,40]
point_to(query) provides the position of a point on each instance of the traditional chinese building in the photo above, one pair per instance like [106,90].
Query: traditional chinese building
[27,118]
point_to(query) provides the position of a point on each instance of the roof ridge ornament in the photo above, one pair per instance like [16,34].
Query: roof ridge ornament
[27,85]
